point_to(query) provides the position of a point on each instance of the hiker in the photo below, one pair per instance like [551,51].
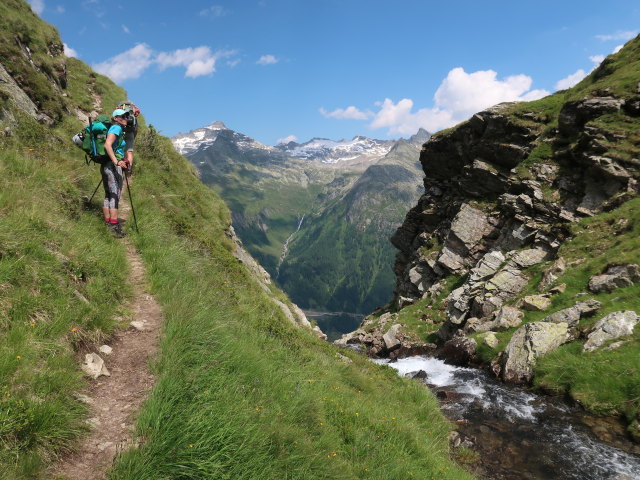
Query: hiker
[130,132]
[112,170]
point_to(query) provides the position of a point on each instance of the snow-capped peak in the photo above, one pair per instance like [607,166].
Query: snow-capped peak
[189,142]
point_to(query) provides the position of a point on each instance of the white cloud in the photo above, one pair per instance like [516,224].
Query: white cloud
[213,11]
[233,63]
[125,29]
[126,65]
[459,96]
[571,80]
[69,52]
[597,59]
[267,60]
[617,49]
[350,112]
[197,62]
[37,6]
[290,138]
[619,35]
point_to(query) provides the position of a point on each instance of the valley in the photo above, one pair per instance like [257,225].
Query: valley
[352,195]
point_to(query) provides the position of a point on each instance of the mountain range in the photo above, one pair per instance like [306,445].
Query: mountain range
[317,215]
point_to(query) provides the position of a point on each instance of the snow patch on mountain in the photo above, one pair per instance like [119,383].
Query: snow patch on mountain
[330,151]
[189,142]
[359,149]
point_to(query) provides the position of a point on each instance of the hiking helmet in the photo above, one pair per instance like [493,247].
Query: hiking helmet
[118,112]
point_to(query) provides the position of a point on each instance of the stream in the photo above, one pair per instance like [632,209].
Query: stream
[523,435]
[285,247]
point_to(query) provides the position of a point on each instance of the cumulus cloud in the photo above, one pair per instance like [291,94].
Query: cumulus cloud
[619,35]
[197,62]
[290,138]
[459,96]
[213,11]
[617,49]
[350,112]
[571,80]
[69,52]
[597,59]
[37,6]
[267,60]
[126,65]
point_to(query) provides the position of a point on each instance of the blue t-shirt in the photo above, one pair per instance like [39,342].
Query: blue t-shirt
[119,143]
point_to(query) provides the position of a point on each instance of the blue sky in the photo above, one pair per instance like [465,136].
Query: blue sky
[297,69]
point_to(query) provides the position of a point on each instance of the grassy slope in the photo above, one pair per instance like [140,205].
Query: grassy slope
[240,393]
[604,382]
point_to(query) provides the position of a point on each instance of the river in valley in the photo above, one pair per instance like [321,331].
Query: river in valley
[335,324]
[522,435]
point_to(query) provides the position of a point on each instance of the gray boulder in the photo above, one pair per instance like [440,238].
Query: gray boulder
[391,340]
[615,325]
[616,276]
[572,315]
[508,317]
[530,342]
[94,366]
[536,303]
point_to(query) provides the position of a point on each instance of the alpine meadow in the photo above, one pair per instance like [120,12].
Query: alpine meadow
[240,391]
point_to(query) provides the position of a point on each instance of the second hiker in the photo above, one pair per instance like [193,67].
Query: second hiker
[130,132]
[112,170]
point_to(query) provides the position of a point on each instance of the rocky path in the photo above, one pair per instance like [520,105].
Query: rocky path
[115,400]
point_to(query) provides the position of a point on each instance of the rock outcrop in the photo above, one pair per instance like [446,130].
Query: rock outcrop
[529,343]
[384,337]
[616,276]
[487,219]
[613,326]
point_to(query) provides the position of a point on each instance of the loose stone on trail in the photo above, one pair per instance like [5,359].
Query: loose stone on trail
[94,366]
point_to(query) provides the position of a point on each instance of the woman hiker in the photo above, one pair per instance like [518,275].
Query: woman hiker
[111,170]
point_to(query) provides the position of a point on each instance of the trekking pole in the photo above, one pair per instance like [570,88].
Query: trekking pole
[94,192]
[131,201]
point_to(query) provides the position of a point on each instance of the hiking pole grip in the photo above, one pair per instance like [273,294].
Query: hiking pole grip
[135,221]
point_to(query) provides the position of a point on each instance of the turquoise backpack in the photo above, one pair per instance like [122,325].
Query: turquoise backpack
[91,140]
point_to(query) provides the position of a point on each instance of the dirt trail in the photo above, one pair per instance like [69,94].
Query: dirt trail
[115,400]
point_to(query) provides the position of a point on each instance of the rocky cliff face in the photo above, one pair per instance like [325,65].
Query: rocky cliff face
[502,193]
[490,209]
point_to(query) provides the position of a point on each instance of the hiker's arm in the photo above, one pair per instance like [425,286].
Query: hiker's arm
[108,147]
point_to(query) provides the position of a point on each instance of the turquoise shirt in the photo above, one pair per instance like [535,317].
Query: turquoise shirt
[119,143]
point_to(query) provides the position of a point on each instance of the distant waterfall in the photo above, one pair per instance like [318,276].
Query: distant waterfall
[285,247]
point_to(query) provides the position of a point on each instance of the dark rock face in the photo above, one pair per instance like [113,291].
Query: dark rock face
[486,219]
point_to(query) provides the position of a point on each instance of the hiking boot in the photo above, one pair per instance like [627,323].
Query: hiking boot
[116,230]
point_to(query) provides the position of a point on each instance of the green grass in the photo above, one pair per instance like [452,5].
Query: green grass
[62,283]
[243,394]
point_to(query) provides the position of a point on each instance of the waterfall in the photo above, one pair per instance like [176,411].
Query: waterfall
[285,247]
